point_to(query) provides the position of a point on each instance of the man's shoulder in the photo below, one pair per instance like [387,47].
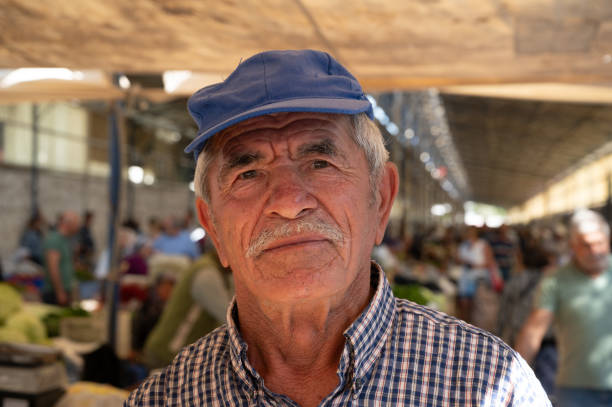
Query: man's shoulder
[438,327]
[472,364]
[205,353]
[195,363]
[561,273]
[53,239]
[202,357]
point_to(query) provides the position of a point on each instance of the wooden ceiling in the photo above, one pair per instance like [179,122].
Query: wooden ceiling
[508,146]
[387,44]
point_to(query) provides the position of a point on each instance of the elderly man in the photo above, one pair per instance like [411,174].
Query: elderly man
[578,299]
[295,189]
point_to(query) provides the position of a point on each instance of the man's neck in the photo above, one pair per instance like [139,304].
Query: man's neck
[63,231]
[296,348]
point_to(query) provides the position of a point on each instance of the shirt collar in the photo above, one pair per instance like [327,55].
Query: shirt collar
[365,337]
[238,347]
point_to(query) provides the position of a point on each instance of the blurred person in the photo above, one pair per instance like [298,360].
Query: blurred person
[504,250]
[154,228]
[476,258]
[197,306]
[558,246]
[132,224]
[174,240]
[516,304]
[449,242]
[127,240]
[136,261]
[294,187]
[85,243]
[59,263]
[577,299]
[32,238]
[147,315]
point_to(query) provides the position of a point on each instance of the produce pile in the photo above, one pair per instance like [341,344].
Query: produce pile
[23,324]
[420,295]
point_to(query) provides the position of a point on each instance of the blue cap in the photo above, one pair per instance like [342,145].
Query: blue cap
[276,81]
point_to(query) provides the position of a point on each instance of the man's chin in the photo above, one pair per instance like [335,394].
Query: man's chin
[297,286]
[299,278]
[596,267]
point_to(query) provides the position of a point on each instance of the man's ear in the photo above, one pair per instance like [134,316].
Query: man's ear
[387,190]
[206,220]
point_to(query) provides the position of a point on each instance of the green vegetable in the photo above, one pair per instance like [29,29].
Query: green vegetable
[413,292]
[52,319]
[12,335]
[52,324]
[74,312]
[29,325]
[10,301]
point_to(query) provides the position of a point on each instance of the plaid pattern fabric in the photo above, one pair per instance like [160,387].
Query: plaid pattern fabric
[396,354]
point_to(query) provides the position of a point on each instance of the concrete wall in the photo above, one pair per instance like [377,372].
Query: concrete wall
[59,191]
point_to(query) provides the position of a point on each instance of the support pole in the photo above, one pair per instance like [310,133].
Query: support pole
[34,168]
[112,283]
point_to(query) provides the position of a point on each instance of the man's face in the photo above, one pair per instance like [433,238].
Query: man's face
[291,208]
[471,233]
[72,223]
[591,251]
[169,226]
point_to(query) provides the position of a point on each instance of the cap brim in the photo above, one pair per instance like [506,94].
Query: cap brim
[319,105]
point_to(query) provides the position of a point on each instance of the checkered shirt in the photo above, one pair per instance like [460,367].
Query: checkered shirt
[396,353]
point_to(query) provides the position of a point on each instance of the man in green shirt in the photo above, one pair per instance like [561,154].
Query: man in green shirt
[577,298]
[59,268]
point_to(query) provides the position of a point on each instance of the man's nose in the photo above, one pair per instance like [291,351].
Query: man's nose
[289,195]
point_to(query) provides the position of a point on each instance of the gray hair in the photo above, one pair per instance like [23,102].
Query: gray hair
[365,134]
[585,221]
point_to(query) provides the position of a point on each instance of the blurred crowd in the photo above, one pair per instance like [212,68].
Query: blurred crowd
[485,276]
[172,283]
[169,277]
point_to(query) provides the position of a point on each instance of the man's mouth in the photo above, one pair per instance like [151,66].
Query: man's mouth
[293,242]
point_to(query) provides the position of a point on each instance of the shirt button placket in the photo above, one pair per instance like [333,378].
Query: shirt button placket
[356,388]
[253,400]
[252,396]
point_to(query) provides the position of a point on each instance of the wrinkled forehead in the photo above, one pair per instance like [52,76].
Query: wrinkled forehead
[298,125]
[591,236]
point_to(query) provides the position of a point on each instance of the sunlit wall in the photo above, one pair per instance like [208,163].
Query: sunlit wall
[62,136]
[585,187]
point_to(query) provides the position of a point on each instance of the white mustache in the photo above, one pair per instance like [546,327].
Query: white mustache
[269,235]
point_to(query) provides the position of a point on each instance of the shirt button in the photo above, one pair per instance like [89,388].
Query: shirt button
[356,387]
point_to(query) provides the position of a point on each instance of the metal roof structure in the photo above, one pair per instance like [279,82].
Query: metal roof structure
[512,149]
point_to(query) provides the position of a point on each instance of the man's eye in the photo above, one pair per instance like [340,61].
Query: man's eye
[318,164]
[248,174]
